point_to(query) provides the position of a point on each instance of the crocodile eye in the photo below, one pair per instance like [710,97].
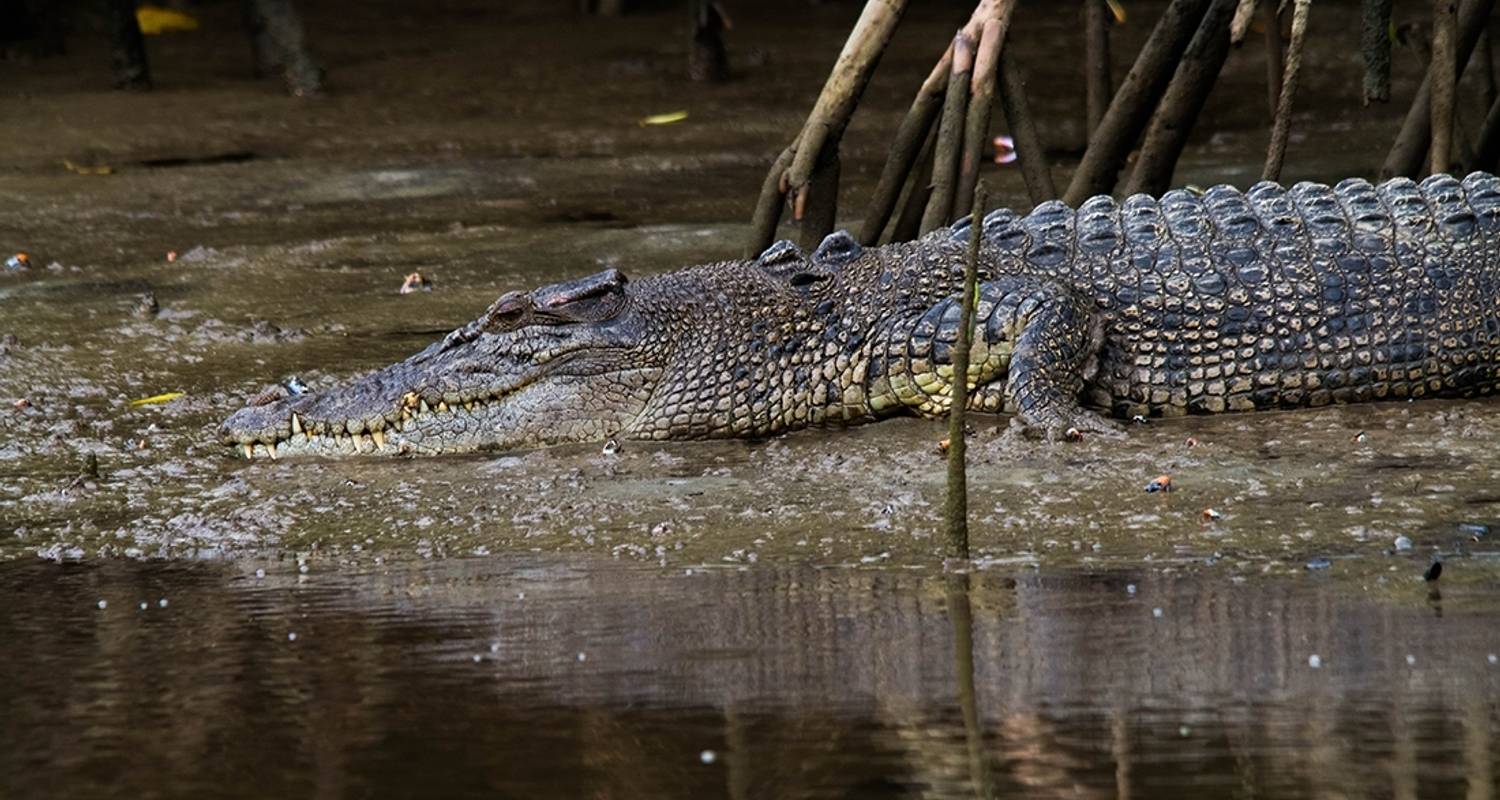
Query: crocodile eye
[508,313]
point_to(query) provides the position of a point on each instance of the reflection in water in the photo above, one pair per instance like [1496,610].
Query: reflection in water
[557,677]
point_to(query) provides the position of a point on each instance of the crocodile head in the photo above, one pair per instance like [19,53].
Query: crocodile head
[569,362]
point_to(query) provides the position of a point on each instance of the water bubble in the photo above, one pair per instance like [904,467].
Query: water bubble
[494,647]
[582,657]
[145,605]
[478,658]
[520,595]
[708,756]
[1411,660]
[1184,731]
[1319,563]
[1494,659]
[1129,588]
[1315,661]
[260,573]
[1403,544]
[103,604]
[162,603]
[291,637]
[1156,612]
[302,568]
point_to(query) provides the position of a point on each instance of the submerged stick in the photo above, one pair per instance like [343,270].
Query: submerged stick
[1444,84]
[1030,154]
[1405,156]
[950,135]
[1131,107]
[1375,46]
[956,509]
[1182,101]
[1096,72]
[1276,151]
[981,106]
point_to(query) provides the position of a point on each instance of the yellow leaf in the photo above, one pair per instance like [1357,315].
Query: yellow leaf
[1118,10]
[85,169]
[664,119]
[155,399]
[154,20]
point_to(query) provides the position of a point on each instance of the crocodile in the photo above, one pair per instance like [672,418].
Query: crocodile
[1196,302]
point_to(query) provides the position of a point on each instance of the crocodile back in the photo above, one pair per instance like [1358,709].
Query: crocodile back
[1224,300]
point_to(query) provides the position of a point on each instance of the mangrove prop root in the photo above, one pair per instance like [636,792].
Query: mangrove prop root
[918,123]
[1375,46]
[1030,155]
[915,201]
[1121,126]
[1487,153]
[1405,156]
[981,104]
[1096,72]
[1239,27]
[1273,58]
[1182,101]
[1276,151]
[1443,70]
[956,507]
[950,135]
[821,206]
[826,123]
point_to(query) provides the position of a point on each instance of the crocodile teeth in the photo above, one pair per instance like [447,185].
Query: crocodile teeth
[442,406]
[249,451]
[379,437]
[469,406]
[426,409]
[296,423]
[410,400]
[271,448]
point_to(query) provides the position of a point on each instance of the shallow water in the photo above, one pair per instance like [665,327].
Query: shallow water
[782,604]
[525,676]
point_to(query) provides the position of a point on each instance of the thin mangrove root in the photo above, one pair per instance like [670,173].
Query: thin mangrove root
[981,106]
[1182,101]
[1239,27]
[1128,112]
[1274,55]
[1031,156]
[950,135]
[820,213]
[957,506]
[1096,72]
[1405,156]
[1375,45]
[1444,71]
[1276,152]
[1484,61]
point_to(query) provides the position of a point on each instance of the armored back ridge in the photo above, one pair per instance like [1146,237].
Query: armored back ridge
[1191,303]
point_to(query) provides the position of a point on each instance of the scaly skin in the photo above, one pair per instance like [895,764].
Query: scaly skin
[1224,301]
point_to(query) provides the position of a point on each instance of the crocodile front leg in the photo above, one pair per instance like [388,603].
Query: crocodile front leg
[1036,343]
